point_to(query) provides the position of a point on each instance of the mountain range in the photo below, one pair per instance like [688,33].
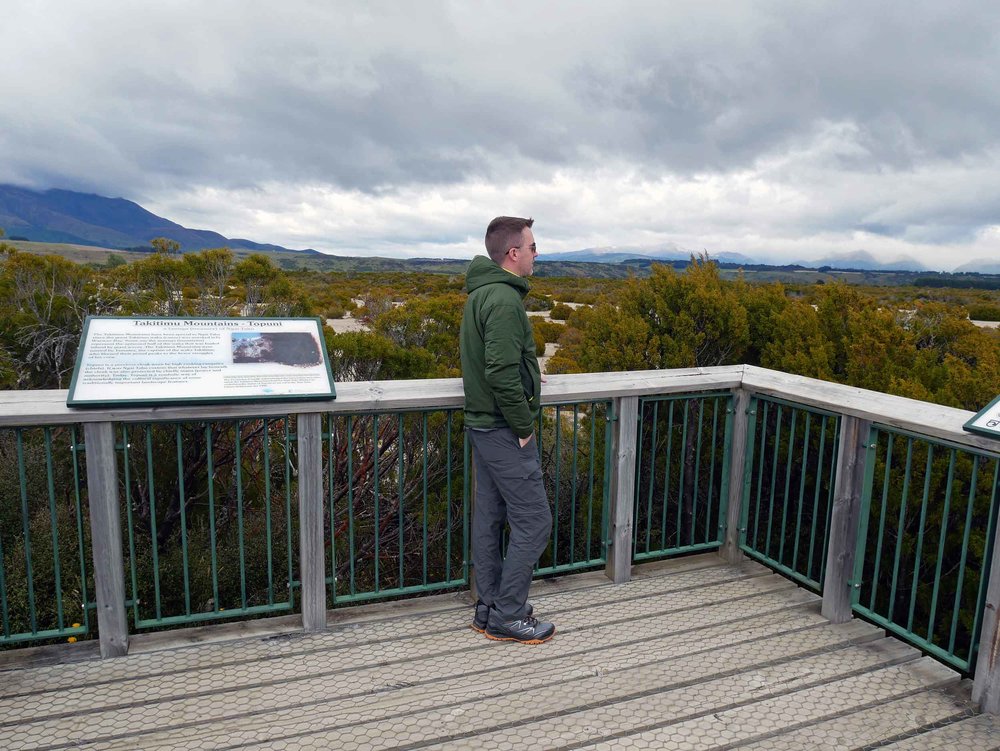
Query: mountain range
[66,216]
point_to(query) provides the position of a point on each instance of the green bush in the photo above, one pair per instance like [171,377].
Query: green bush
[549,331]
[984,312]
[560,312]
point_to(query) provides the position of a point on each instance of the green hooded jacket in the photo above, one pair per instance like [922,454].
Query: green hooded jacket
[499,368]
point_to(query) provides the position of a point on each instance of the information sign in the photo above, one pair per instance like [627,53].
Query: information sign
[128,361]
[987,420]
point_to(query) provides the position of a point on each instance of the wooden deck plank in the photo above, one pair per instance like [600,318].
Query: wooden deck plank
[870,726]
[422,683]
[352,654]
[521,697]
[691,654]
[665,690]
[981,733]
[369,628]
[790,710]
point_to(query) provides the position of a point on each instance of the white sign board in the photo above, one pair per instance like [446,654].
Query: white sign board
[163,360]
[987,420]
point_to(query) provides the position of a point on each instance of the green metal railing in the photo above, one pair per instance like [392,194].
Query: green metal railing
[209,520]
[397,495]
[791,458]
[574,443]
[398,498]
[44,545]
[682,474]
[928,514]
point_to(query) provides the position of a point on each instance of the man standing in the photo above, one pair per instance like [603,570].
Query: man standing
[502,384]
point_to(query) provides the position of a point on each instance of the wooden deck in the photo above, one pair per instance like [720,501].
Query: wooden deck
[691,654]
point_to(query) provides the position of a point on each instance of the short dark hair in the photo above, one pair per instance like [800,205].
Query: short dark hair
[503,234]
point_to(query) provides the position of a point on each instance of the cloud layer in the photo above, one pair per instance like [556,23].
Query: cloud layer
[784,130]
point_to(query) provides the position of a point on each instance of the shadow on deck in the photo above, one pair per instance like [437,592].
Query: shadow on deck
[691,654]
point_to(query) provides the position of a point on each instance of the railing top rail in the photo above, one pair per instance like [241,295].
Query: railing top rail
[933,420]
[25,408]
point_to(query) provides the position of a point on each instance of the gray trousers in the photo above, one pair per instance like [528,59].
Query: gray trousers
[509,489]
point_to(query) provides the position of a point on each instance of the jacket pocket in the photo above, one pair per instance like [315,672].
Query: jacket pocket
[527,383]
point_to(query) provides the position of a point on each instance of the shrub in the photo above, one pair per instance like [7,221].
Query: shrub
[984,312]
[560,312]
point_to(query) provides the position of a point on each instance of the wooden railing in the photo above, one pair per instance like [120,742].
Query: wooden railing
[860,464]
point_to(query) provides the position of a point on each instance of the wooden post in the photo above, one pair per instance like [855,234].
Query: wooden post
[106,538]
[845,517]
[619,565]
[737,461]
[312,553]
[986,679]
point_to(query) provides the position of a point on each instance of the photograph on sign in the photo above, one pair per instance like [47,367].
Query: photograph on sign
[163,360]
[987,420]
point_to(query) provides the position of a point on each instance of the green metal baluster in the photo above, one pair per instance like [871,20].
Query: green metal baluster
[558,461]
[425,498]
[881,522]
[774,477]
[697,470]
[26,530]
[288,509]
[378,519]
[609,418]
[760,477]
[666,480]
[806,436]
[183,513]
[903,500]
[350,496]
[920,535]
[4,608]
[266,440]
[680,482]
[711,467]
[75,450]
[831,486]
[54,524]
[331,471]
[401,477]
[752,409]
[637,494]
[652,473]
[447,555]
[973,481]
[127,465]
[944,536]
[239,513]
[154,539]
[572,506]
[788,485]
[590,478]
[210,458]
[819,484]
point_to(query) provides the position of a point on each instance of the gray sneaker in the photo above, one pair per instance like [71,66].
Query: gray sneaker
[527,630]
[481,618]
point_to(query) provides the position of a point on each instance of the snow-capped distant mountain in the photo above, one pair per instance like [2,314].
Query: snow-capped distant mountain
[619,253]
[980,266]
[862,259]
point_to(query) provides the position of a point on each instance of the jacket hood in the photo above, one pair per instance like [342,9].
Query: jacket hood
[483,271]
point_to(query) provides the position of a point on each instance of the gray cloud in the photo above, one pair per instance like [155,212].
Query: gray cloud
[155,102]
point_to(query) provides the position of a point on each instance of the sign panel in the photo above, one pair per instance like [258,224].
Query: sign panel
[987,420]
[130,361]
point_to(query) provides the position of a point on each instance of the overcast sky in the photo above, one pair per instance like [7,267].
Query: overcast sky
[781,130]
